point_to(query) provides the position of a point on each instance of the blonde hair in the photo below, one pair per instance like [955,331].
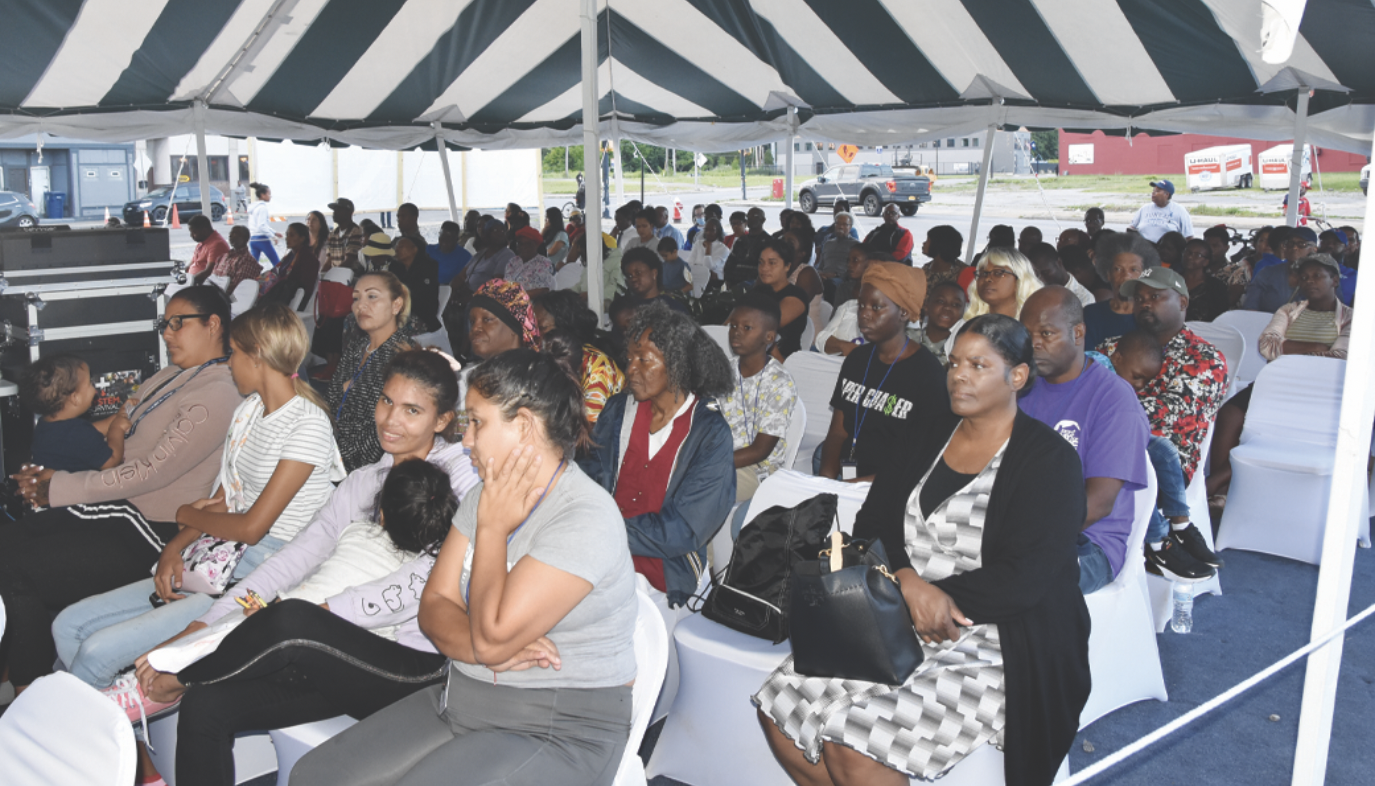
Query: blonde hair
[1013,260]
[396,289]
[274,335]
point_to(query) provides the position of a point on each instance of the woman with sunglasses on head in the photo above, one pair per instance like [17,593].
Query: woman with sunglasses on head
[106,528]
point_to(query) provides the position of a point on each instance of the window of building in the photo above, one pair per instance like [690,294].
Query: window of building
[966,141]
[219,167]
[974,142]
[950,142]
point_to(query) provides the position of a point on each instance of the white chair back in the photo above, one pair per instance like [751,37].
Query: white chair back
[808,334]
[62,730]
[797,427]
[243,297]
[339,275]
[787,487]
[824,312]
[446,291]
[295,304]
[569,275]
[1250,324]
[439,338]
[220,281]
[1228,341]
[1298,398]
[721,335]
[651,662]
[815,375]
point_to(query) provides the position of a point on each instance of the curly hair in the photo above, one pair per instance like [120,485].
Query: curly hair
[46,385]
[945,241]
[1011,259]
[695,362]
[1110,244]
[416,506]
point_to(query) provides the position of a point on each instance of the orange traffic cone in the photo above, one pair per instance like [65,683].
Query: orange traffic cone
[677,211]
[176,221]
[229,218]
[147,224]
[107,215]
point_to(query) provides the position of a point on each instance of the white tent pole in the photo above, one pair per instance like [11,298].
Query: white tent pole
[788,158]
[591,147]
[1291,213]
[616,161]
[979,197]
[444,163]
[202,160]
[1344,511]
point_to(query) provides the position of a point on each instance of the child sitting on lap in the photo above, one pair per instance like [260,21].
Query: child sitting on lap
[58,389]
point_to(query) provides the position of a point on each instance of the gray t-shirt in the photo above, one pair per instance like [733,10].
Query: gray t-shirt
[577,529]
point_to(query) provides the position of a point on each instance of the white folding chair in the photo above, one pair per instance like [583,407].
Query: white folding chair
[1123,656]
[63,731]
[439,338]
[1282,470]
[711,735]
[797,427]
[568,276]
[651,665]
[243,297]
[254,755]
[1229,342]
[294,742]
[1250,324]
[1161,588]
[823,314]
[721,335]
[808,335]
[220,281]
[815,375]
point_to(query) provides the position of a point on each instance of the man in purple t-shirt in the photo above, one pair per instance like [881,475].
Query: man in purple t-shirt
[1097,412]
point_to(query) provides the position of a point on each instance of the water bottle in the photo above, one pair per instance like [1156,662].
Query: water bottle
[1183,621]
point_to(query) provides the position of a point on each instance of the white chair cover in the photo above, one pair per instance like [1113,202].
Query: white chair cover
[712,736]
[254,755]
[721,335]
[63,731]
[220,281]
[1229,342]
[824,311]
[1123,656]
[1282,470]
[1162,601]
[568,276]
[651,662]
[808,335]
[294,742]
[815,375]
[243,297]
[1250,324]
[797,427]
[671,617]
[439,338]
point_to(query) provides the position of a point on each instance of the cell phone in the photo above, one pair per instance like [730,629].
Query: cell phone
[156,600]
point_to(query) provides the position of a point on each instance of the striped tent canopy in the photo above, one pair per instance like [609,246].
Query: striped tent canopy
[692,74]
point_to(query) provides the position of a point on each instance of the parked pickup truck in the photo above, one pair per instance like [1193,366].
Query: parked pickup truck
[870,185]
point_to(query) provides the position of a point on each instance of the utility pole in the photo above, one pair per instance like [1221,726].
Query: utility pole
[743,193]
[565,160]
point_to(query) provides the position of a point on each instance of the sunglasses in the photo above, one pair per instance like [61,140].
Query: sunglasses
[178,321]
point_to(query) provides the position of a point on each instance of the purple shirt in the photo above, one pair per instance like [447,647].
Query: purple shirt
[1098,413]
[393,600]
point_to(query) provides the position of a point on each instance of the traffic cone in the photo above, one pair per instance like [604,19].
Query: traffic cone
[147,224]
[229,218]
[107,215]
[176,221]
[677,211]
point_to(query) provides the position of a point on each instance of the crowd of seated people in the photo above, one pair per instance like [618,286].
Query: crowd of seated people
[395,521]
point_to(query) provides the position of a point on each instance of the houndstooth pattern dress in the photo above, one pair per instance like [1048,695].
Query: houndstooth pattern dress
[951,705]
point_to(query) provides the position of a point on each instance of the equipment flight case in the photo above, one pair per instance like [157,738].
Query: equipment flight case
[94,293]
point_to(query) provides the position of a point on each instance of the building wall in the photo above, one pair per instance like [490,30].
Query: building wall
[956,155]
[1164,155]
[93,175]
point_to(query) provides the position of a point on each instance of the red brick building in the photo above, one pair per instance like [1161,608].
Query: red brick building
[1100,154]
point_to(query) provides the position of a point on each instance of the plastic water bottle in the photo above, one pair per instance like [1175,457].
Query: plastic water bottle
[1183,621]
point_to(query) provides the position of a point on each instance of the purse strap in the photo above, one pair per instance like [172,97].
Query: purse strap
[837,551]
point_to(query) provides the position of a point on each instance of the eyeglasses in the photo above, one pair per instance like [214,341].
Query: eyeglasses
[178,321]
[994,273]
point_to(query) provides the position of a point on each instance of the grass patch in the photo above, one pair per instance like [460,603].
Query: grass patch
[1202,209]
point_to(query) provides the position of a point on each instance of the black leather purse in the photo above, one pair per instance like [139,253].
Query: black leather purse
[849,618]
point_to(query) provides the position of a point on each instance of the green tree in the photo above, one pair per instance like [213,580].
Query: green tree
[1047,144]
[553,159]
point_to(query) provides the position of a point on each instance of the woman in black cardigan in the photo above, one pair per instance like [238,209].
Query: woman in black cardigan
[981,533]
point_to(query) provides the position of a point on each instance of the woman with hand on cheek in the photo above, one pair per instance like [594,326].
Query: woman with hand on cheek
[532,597]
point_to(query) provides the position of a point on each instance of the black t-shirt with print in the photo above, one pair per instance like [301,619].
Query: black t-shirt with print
[889,412]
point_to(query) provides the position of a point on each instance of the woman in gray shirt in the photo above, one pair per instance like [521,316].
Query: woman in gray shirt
[533,600]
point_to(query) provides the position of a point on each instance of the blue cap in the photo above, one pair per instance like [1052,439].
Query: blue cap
[1340,235]
[1307,234]
[1163,185]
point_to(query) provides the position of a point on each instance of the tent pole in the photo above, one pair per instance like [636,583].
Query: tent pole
[463,179]
[1291,213]
[444,164]
[979,197]
[616,161]
[202,160]
[788,158]
[591,145]
[1344,512]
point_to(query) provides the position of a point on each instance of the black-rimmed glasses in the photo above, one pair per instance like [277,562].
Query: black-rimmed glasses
[177,321]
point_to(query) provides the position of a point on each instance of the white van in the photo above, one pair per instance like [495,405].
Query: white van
[1274,166]
[1224,166]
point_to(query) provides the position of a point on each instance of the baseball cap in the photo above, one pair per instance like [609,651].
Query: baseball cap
[1163,185]
[1306,233]
[341,202]
[1321,259]
[1157,278]
[529,233]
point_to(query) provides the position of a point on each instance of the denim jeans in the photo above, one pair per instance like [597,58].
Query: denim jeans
[103,634]
[263,246]
[1095,572]
[1170,499]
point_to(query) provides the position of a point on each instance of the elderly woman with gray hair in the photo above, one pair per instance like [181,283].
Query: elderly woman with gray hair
[1119,257]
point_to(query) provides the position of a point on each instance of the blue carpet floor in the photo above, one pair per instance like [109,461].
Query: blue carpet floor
[1263,615]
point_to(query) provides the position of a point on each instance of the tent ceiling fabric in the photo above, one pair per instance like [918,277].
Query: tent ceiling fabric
[692,74]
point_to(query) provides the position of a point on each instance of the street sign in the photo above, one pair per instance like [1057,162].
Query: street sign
[184,179]
[699,160]
[847,153]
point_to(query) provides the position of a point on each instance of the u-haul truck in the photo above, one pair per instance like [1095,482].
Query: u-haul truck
[1224,166]
[1274,166]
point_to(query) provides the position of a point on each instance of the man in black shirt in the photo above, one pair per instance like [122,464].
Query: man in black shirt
[743,262]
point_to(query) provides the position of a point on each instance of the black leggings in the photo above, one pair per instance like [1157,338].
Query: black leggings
[290,663]
[52,559]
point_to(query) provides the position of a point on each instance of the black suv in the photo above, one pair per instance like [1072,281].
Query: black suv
[870,185]
[158,203]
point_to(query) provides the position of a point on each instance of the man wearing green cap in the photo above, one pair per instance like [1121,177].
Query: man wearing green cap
[1180,402]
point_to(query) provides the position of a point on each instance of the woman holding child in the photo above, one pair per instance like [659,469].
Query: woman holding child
[106,528]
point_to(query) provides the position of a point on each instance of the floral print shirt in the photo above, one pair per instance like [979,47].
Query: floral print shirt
[761,404]
[1185,396]
[601,380]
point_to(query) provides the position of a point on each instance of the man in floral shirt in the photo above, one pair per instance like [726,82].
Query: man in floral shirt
[1180,402]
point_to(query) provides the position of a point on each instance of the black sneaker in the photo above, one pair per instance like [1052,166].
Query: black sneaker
[1173,562]
[1191,540]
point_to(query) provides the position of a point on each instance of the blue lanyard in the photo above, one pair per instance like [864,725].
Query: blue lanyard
[339,412]
[512,536]
[862,412]
[207,364]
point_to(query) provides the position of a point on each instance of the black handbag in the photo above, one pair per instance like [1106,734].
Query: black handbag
[849,618]
[752,595]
